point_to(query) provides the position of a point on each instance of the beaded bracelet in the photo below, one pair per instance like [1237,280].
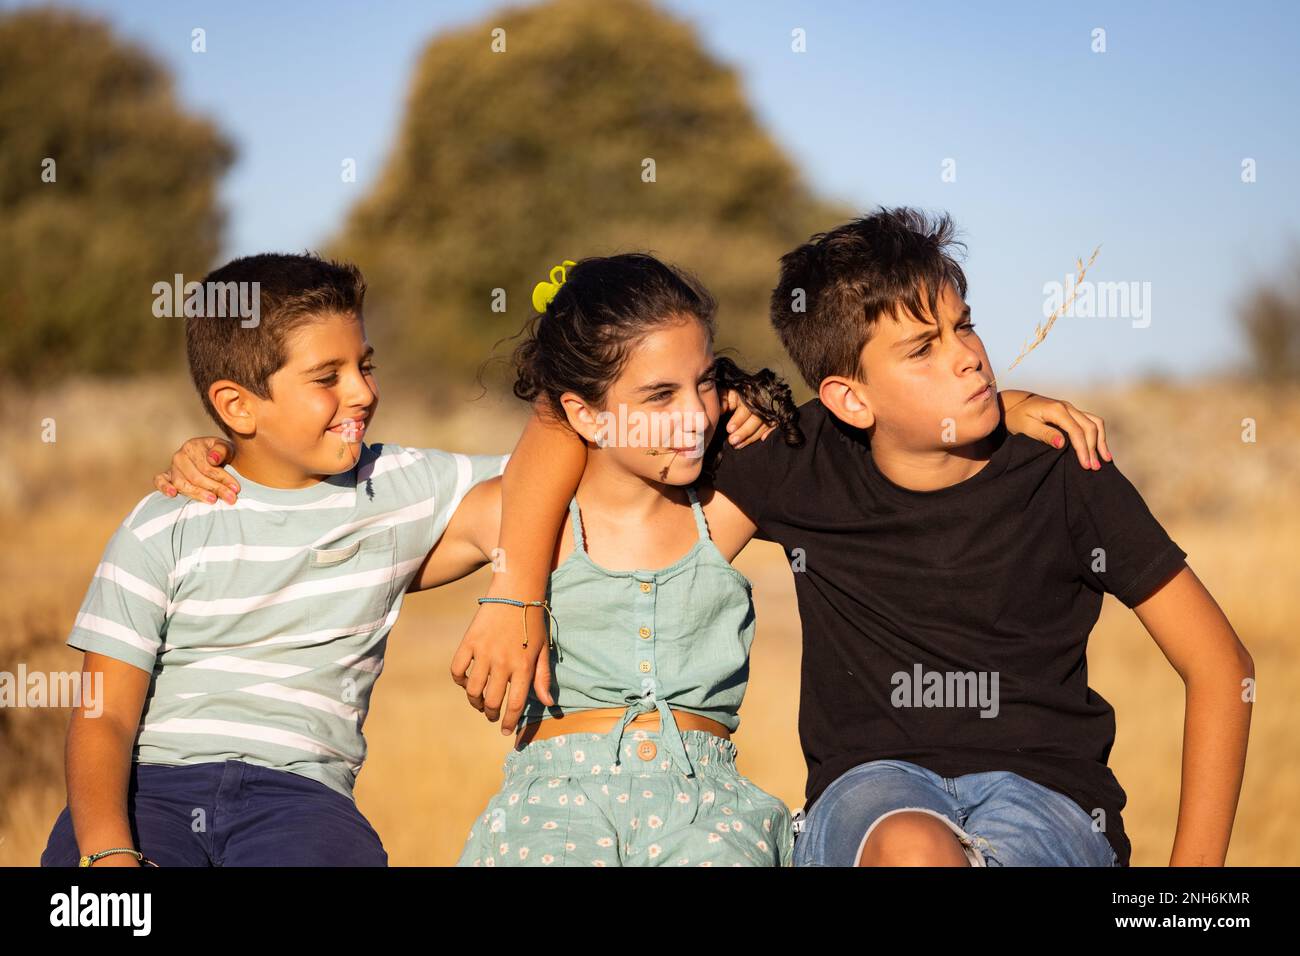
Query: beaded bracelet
[544,605]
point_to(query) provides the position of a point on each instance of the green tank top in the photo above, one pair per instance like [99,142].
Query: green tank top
[676,637]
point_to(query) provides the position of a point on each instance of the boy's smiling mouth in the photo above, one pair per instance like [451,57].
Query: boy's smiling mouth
[350,429]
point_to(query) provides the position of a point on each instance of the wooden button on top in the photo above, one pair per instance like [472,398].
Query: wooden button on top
[645,587]
[646,750]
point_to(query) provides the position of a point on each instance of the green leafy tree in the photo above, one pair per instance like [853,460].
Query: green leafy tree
[510,160]
[106,186]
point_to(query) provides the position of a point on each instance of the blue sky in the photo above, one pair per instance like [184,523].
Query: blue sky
[1057,148]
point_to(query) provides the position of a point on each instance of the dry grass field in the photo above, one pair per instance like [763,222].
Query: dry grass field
[1234,506]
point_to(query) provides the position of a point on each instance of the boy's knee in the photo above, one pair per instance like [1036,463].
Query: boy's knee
[912,839]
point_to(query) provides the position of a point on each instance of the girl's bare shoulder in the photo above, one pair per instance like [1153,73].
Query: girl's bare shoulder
[729,527]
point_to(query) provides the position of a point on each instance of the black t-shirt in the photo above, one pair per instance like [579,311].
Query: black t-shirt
[912,602]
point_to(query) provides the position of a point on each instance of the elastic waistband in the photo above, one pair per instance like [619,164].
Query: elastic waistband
[643,751]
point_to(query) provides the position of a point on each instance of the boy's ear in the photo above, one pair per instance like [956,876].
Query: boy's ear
[847,401]
[582,417]
[235,406]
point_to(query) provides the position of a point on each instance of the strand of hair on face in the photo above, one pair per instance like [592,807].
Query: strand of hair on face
[1040,332]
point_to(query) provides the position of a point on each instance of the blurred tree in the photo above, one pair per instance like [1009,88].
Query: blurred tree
[1270,318]
[508,162]
[132,201]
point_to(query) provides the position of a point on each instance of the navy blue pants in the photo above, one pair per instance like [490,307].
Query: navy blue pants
[231,813]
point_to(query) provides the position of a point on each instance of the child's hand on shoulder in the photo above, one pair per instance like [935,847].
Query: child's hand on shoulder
[744,426]
[196,472]
[1045,418]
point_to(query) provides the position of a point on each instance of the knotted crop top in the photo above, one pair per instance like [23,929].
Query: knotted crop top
[677,637]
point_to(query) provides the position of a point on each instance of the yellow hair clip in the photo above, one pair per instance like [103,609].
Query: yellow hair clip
[544,292]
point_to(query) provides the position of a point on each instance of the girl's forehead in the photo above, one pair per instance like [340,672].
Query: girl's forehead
[663,369]
[673,342]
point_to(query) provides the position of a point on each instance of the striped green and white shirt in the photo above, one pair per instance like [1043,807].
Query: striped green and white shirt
[264,623]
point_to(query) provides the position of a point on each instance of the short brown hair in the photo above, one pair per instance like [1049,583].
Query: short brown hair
[854,274]
[293,290]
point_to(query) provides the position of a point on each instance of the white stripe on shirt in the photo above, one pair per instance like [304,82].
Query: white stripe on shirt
[305,697]
[334,585]
[118,632]
[244,665]
[129,582]
[231,728]
[199,509]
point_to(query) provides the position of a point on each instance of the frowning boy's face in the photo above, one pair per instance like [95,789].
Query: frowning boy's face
[929,383]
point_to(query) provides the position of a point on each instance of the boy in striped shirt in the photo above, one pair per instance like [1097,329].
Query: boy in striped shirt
[239,640]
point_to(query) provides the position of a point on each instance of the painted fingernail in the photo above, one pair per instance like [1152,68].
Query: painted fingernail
[210,498]
[1056,442]
[213,457]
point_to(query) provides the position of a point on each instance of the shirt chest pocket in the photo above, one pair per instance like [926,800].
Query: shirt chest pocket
[352,581]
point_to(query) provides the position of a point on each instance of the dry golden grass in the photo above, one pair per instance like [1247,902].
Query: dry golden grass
[1041,330]
[434,761]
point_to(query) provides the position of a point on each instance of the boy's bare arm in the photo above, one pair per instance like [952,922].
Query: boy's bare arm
[1202,647]
[540,478]
[98,759]
[467,543]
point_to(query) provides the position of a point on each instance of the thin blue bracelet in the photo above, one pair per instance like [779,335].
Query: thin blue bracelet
[544,605]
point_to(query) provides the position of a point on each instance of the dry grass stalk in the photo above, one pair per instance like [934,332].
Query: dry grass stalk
[1040,332]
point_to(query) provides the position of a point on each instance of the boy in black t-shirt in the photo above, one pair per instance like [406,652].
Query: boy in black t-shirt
[948,575]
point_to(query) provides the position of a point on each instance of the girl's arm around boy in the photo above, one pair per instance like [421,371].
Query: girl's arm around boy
[541,476]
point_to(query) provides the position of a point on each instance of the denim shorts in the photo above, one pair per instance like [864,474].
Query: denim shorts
[999,817]
[232,813]
[566,803]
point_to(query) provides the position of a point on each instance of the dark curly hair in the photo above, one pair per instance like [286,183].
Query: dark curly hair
[582,341]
